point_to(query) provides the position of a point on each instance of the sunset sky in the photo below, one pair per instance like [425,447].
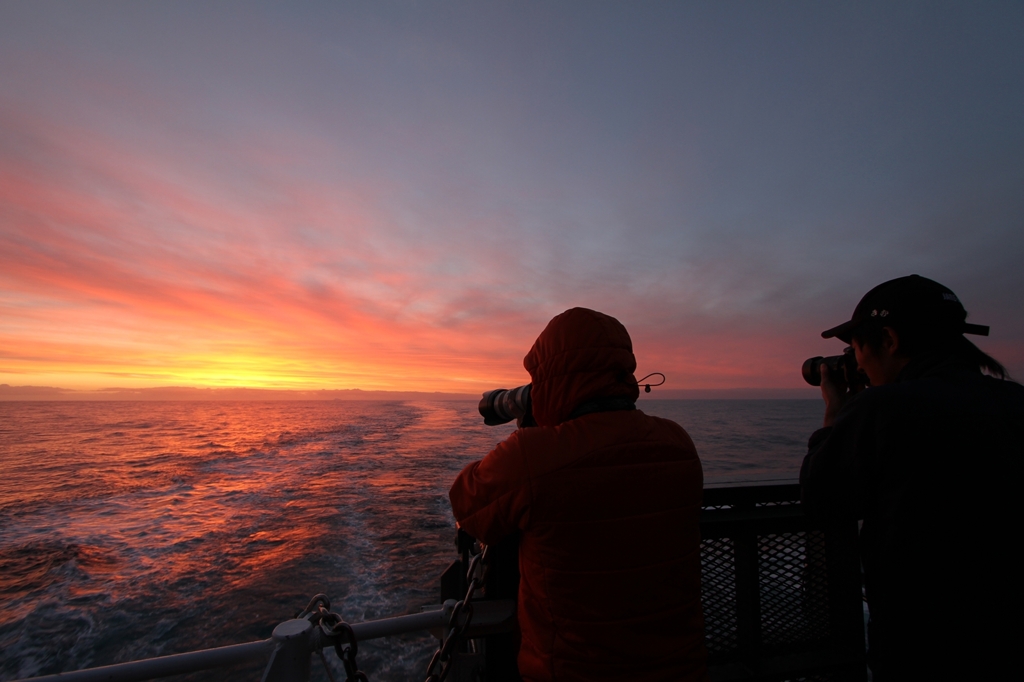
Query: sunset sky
[400,195]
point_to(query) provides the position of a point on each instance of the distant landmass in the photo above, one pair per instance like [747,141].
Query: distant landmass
[8,392]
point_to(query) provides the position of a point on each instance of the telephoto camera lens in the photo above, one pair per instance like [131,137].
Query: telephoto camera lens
[812,370]
[846,363]
[503,405]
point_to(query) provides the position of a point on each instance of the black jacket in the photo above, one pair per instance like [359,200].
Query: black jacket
[933,465]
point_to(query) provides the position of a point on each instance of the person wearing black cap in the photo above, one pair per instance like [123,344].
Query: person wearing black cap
[931,457]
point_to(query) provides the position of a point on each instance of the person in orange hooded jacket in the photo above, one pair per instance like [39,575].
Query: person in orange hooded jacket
[607,501]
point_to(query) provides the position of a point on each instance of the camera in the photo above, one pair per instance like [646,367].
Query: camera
[503,405]
[845,363]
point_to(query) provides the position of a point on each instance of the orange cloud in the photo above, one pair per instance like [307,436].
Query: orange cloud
[113,274]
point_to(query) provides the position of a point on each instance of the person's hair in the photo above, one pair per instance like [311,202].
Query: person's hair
[914,342]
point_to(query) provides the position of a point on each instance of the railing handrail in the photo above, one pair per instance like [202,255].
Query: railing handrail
[488,615]
[750,481]
[165,666]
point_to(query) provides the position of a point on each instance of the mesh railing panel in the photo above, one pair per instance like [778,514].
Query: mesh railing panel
[774,609]
[718,595]
[794,588]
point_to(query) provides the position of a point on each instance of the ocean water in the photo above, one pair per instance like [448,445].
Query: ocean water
[138,529]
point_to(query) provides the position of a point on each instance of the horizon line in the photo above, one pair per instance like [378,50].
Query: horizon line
[10,393]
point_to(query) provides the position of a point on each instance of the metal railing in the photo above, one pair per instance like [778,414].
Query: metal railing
[165,666]
[781,596]
[291,647]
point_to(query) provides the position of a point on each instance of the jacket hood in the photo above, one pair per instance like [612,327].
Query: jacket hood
[581,355]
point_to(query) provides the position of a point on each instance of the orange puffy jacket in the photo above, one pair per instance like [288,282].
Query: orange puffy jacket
[608,506]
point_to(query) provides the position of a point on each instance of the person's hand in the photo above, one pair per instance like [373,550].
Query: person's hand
[835,392]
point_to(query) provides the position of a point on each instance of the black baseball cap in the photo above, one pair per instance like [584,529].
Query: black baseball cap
[911,301]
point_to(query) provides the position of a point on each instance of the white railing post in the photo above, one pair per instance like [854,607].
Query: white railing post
[293,648]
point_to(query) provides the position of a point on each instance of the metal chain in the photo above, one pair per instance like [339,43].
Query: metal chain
[336,630]
[444,656]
